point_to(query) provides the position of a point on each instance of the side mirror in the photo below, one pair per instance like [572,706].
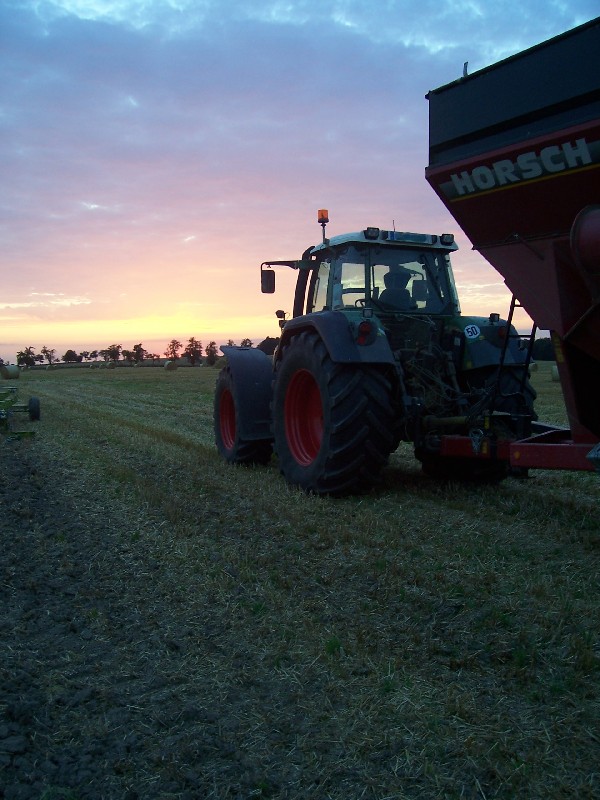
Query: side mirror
[267,281]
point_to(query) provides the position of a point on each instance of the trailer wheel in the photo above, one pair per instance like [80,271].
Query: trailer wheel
[230,445]
[333,423]
[33,407]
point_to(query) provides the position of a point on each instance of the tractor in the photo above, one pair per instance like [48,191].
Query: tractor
[376,353]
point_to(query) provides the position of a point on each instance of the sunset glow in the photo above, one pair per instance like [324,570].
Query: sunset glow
[154,154]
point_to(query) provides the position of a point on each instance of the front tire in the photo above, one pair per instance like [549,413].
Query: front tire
[509,398]
[230,444]
[333,423]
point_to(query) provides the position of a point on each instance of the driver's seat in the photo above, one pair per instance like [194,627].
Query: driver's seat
[395,294]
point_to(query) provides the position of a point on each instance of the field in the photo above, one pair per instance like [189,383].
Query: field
[179,628]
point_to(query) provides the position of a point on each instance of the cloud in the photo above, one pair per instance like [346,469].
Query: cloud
[493,30]
[45,300]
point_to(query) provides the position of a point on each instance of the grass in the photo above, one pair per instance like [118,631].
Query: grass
[425,640]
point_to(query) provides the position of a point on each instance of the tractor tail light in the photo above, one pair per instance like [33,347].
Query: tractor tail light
[365,329]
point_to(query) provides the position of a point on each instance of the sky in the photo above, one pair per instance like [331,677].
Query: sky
[154,152]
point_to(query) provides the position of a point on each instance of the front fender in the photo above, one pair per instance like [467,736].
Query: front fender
[252,376]
[337,331]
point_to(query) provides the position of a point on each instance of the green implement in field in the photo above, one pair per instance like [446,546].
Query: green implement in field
[9,405]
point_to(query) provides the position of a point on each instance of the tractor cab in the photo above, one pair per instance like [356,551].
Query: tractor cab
[387,273]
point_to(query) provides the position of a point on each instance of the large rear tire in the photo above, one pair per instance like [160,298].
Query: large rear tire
[230,445]
[333,423]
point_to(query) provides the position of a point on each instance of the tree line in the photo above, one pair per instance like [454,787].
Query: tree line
[193,351]
[543,350]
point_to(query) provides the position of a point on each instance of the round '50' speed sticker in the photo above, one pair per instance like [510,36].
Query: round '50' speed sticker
[472,331]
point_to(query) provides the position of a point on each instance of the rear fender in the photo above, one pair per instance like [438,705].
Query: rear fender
[252,375]
[338,332]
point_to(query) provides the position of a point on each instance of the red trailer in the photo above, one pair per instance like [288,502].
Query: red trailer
[514,154]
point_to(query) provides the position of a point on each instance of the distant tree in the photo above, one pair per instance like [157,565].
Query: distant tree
[543,350]
[193,351]
[211,353]
[71,357]
[93,355]
[230,343]
[128,355]
[27,357]
[139,354]
[268,345]
[114,352]
[85,354]
[173,349]
[246,343]
[50,354]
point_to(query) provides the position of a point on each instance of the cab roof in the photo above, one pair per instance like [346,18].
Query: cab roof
[395,238]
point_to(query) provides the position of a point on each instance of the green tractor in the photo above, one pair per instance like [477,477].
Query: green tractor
[374,354]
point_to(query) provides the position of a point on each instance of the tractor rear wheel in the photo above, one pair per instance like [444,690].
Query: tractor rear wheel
[333,423]
[230,445]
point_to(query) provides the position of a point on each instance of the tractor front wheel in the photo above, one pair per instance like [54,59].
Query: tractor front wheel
[512,396]
[333,424]
[232,447]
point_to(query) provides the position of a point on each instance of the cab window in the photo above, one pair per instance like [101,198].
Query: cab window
[349,275]
[317,296]
[409,281]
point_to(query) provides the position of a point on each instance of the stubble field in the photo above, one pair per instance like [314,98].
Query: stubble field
[173,627]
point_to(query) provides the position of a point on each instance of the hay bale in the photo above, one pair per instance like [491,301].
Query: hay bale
[9,371]
[170,366]
[533,367]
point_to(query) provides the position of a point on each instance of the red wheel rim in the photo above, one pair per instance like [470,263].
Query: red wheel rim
[227,419]
[303,417]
